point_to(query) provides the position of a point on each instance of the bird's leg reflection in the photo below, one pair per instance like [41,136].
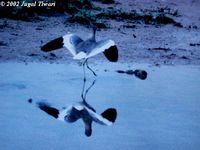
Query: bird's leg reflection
[85,92]
[84,81]
[89,88]
[84,77]
[81,110]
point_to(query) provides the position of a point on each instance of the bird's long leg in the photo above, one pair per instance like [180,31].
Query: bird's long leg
[90,68]
[82,95]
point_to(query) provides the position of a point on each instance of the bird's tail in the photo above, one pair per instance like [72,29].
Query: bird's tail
[53,45]
[110,114]
[47,108]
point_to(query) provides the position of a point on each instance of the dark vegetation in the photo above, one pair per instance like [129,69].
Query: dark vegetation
[2,43]
[149,17]
[86,13]
[160,49]
[194,44]
[106,1]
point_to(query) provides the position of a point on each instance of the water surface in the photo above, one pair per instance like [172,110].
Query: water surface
[161,112]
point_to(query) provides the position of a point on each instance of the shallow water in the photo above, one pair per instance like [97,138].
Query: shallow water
[161,112]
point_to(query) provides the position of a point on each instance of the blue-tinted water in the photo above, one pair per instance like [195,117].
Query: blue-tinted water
[161,112]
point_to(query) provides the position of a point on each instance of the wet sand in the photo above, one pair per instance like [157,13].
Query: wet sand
[141,43]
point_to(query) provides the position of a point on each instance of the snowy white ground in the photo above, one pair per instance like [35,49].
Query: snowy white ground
[161,112]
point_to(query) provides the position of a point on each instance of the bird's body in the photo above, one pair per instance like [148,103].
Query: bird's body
[88,48]
[83,49]
[80,111]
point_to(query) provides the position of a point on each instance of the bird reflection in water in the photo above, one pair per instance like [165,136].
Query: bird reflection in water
[81,110]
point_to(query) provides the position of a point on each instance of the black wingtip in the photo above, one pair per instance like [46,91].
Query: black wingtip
[53,45]
[112,53]
[110,114]
[48,109]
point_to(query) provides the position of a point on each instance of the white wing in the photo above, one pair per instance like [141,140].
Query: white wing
[71,41]
[80,55]
[63,113]
[98,118]
[101,46]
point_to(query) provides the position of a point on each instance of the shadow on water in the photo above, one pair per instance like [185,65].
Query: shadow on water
[80,110]
[141,74]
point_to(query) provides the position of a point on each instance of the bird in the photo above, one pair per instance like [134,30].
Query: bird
[80,111]
[84,49]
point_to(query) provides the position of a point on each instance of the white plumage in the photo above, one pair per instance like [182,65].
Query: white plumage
[84,49]
[81,111]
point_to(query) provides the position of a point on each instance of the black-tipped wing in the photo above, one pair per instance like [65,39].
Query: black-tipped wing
[48,109]
[103,120]
[70,41]
[111,53]
[53,45]
[108,47]
[110,114]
